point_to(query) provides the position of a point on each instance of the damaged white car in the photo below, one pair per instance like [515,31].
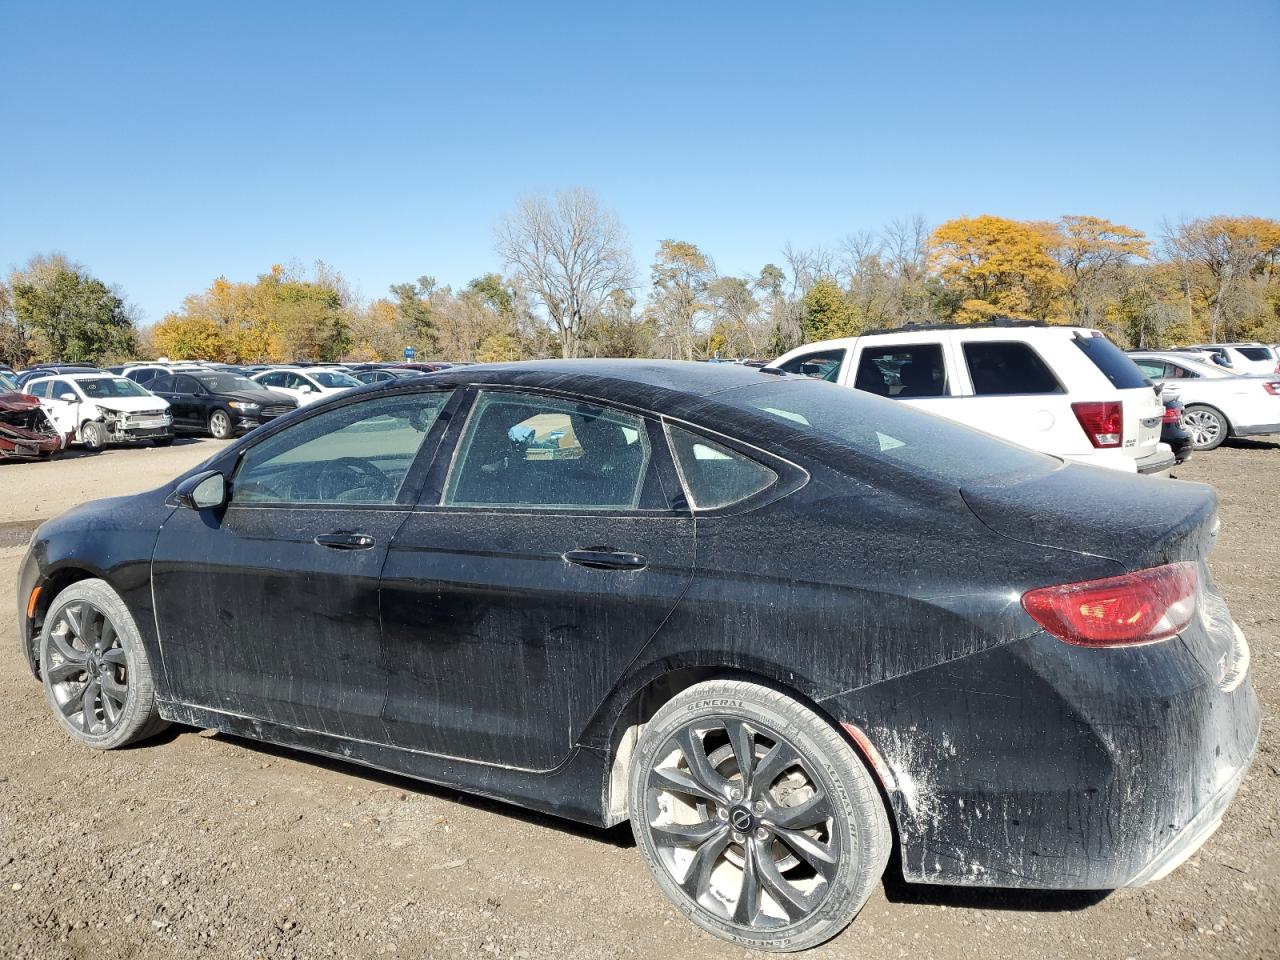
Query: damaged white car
[97,409]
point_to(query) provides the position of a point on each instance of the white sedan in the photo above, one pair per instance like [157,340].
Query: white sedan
[1219,403]
[307,384]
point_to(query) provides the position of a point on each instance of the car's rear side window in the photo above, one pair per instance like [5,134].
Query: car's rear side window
[714,475]
[521,450]
[1007,368]
[903,371]
[1255,353]
[1115,365]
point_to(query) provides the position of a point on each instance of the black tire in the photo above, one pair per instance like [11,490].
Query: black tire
[94,669]
[220,425]
[163,441]
[1207,426]
[809,837]
[93,435]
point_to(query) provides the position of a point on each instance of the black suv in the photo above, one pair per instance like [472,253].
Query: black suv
[217,403]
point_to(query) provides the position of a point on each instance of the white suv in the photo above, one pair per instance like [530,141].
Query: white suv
[1255,358]
[1066,391]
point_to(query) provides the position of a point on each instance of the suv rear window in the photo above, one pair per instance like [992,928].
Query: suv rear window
[1255,353]
[1000,368]
[1112,361]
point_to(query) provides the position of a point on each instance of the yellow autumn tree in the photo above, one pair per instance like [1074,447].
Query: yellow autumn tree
[999,267]
[1092,253]
[187,338]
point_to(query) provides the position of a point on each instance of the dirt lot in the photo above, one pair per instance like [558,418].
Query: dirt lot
[205,845]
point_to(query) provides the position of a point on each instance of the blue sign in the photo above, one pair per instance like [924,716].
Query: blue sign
[410,353]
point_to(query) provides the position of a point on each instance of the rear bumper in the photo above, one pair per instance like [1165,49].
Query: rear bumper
[1192,837]
[1158,463]
[1042,765]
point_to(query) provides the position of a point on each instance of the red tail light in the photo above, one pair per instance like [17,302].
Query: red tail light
[1272,387]
[1172,415]
[1102,422]
[1142,607]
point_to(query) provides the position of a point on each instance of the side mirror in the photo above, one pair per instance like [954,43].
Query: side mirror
[305,388]
[69,397]
[204,491]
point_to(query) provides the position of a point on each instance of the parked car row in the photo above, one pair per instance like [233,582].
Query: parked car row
[82,404]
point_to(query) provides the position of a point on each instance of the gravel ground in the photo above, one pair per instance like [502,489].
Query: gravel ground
[204,845]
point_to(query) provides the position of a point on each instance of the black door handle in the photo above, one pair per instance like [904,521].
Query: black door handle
[602,558]
[345,541]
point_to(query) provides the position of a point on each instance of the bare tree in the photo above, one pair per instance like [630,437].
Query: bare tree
[570,253]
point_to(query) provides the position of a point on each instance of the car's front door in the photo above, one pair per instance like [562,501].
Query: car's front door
[516,595]
[63,403]
[269,607]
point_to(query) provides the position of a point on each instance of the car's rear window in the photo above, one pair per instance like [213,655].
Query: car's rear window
[1115,365]
[1255,353]
[889,431]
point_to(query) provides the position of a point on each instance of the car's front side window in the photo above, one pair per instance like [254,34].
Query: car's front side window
[521,450]
[822,365]
[356,454]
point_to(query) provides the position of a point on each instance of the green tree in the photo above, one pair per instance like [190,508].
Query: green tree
[827,312]
[413,304]
[77,315]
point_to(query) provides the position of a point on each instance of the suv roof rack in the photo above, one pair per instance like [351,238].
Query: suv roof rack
[994,322]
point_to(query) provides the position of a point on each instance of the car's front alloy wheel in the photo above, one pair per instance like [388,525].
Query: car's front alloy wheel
[220,425]
[94,669]
[756,817]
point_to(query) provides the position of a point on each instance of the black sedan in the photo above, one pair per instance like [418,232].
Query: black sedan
[375,374]
[777,624]
[218,403]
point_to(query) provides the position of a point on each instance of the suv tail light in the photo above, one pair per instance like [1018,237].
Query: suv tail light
[1272,387]
[1140,607]
[1102,422]
[1172,415]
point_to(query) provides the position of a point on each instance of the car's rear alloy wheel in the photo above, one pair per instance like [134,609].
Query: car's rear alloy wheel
[220,425]
[1208,428]
[94,669]
[756,816]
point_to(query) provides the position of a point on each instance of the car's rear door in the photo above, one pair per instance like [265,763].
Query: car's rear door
[269,608]
[530,576]
[1010,390]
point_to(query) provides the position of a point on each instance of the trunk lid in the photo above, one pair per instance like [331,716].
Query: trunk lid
[1136,521]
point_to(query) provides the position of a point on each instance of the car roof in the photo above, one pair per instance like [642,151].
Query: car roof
[990,331]
[642,383]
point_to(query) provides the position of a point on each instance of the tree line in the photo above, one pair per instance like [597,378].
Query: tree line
[568,287]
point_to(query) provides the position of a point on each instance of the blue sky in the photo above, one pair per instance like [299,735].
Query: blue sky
[165,144]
